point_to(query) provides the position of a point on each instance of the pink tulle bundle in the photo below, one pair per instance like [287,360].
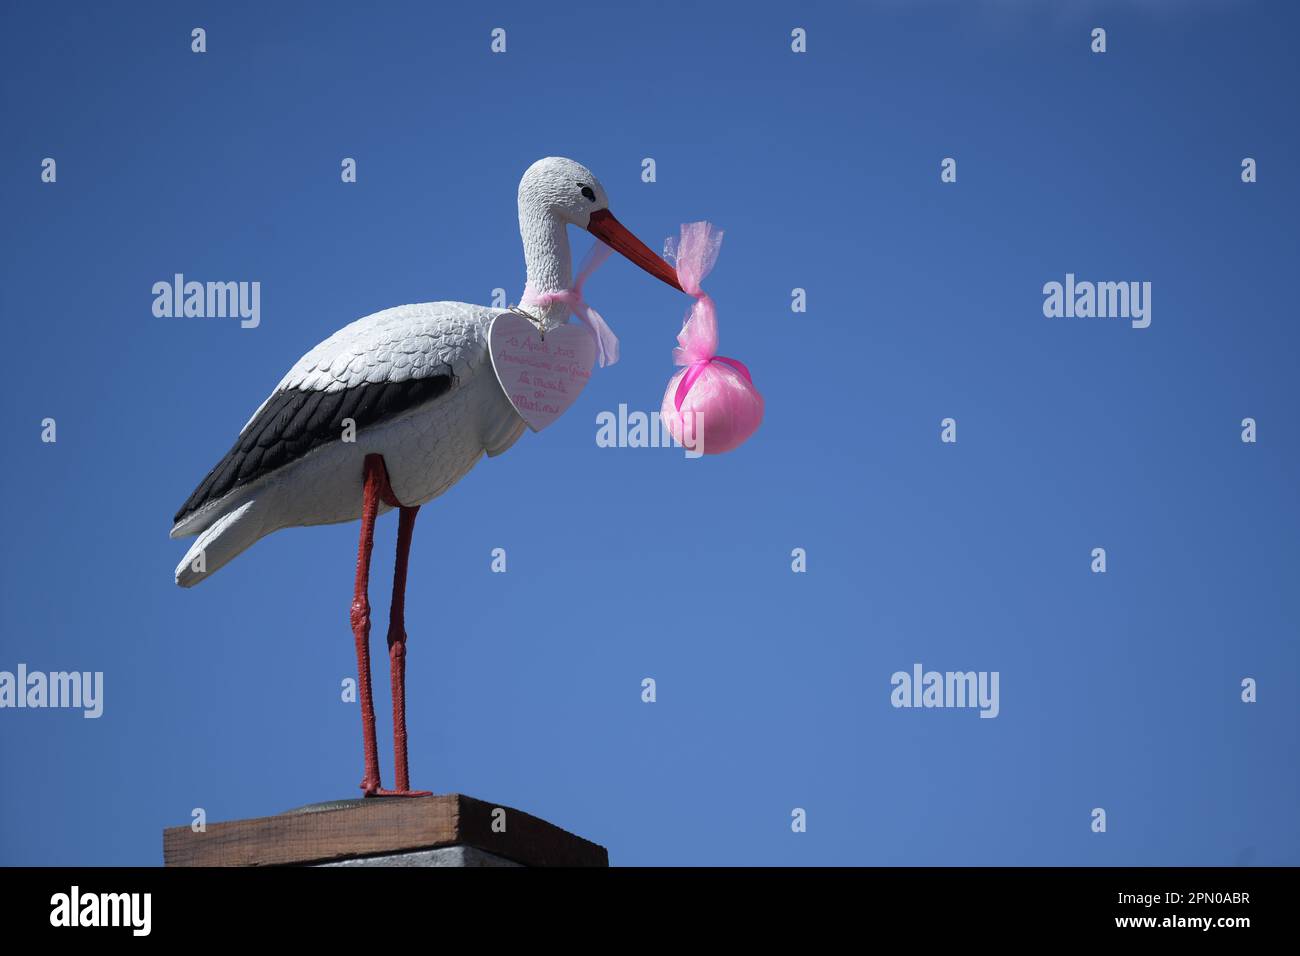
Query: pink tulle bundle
[711,405]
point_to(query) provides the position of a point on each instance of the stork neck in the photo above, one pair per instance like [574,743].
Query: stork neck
[549,262]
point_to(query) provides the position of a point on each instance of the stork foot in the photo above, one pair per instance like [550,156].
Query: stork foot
[400,793]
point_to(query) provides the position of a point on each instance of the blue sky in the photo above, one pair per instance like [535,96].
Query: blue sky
[1117,690]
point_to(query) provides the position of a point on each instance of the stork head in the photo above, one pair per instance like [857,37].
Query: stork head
[562,189]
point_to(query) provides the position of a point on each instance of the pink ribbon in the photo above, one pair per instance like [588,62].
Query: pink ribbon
[606,340]
[696,369]
[695,252]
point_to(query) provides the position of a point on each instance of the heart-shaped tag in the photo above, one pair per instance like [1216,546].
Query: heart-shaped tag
[542,376]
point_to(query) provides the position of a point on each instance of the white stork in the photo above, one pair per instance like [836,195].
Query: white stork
[418,382]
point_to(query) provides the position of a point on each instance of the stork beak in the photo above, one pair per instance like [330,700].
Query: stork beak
[614,234]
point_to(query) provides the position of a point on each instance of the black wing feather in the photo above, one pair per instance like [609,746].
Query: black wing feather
[296,421]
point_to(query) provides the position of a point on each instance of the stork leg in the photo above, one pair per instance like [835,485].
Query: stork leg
[397,652]
[374,476]
[377,489]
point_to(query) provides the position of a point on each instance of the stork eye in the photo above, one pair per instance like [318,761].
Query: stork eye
[588,192]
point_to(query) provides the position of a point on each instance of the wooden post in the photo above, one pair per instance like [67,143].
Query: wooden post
[444,830]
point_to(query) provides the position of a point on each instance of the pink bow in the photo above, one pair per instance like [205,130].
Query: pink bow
[606,340]
[696,369]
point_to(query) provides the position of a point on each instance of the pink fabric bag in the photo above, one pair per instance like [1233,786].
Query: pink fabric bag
[711,405]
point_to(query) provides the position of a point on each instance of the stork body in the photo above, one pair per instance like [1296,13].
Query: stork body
[413,384]
[390,412]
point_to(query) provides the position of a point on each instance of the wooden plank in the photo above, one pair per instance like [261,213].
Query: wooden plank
[372,827]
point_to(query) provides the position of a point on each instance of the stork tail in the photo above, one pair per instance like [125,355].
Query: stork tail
[228,536]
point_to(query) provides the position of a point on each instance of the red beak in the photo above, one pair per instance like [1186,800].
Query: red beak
[614,234]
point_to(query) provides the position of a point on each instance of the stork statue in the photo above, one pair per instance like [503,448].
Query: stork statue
[416,386]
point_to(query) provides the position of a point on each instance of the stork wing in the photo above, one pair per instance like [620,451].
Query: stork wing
[374,369]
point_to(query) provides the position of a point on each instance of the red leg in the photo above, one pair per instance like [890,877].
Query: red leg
[377,489]
[374,476]
[397,652]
